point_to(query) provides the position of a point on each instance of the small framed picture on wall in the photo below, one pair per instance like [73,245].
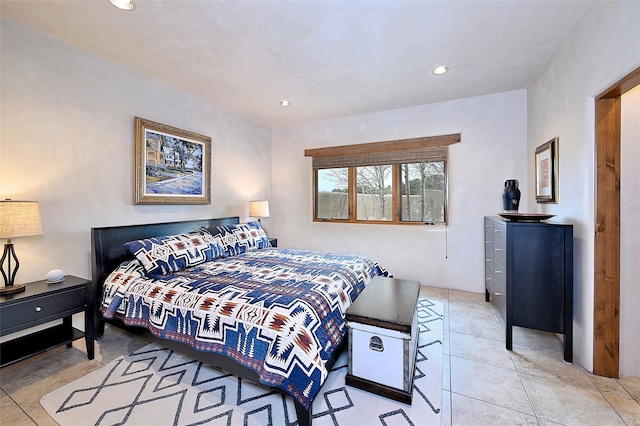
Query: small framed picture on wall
[547,172]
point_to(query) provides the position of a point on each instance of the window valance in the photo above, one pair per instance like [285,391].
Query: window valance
[425,149]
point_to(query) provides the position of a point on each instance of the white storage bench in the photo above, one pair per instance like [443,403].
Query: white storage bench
[383,338]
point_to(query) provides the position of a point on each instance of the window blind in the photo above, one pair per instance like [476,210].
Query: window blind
[415,150]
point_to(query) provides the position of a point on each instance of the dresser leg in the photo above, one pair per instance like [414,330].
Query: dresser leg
[509,335]
[568,344]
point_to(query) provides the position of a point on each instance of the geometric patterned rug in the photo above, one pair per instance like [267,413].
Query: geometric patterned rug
[156,386]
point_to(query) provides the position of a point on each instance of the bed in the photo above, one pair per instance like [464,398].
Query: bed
[271,316]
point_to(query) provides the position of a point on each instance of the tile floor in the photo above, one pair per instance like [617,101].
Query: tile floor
[483,384]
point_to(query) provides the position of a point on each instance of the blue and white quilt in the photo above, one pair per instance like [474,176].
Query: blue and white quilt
[279,312]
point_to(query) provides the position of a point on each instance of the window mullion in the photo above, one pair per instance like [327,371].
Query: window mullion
[396,191]
[353,195]
[315,194]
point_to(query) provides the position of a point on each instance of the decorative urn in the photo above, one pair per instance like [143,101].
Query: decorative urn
[511,196]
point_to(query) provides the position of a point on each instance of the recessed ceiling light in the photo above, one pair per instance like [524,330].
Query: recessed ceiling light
[123,4]
[440,70]
[285,103]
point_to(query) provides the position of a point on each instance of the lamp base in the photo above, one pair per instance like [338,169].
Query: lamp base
[11,289]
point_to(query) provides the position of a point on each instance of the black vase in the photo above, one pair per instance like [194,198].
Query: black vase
[511,196]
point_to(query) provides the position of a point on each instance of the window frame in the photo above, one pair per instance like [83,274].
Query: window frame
[445,189]
[398,152]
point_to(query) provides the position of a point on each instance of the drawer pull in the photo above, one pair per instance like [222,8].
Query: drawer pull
[38,308]
[375,344]
[499,294]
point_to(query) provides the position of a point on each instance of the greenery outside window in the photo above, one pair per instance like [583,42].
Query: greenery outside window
[395,182]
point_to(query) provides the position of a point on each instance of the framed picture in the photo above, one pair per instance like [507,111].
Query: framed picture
[173,166]
[547,172]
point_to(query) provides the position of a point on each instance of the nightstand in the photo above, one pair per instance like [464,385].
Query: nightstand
[41,303]
[273,242]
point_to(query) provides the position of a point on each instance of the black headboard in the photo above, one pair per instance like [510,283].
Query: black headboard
[108,250]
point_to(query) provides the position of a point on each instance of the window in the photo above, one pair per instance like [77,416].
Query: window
[423,192]
[374,192]
[395,182]
[332,194]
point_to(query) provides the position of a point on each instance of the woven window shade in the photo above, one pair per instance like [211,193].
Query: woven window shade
[416,150]
[424,155]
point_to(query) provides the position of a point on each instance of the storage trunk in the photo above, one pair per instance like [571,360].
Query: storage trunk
[383,338]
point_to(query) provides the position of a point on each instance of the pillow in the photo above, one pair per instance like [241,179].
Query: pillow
[243,237]
[173,253]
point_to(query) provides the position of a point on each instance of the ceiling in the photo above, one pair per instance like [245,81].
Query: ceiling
[329,58]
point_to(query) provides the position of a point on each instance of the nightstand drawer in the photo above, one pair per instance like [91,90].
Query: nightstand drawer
[43,309]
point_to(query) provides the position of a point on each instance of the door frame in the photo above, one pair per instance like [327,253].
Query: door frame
[606,306]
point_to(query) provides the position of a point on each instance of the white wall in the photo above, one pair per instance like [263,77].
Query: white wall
[629,234]
[492,150]
[602,48]
[68,142]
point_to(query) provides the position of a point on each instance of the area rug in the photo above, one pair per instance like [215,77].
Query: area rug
[156,386]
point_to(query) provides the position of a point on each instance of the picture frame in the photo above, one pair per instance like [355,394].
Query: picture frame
[172,166]
[546,169]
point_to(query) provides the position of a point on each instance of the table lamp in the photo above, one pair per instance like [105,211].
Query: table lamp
[259,209]
[17,219]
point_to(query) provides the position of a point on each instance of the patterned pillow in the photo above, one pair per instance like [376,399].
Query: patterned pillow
[173,253]
[243,237]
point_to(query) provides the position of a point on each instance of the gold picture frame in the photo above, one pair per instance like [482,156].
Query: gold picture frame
[172,166]
[546,168]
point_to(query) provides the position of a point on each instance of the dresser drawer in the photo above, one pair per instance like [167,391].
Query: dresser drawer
[42,309]
[500,251]
[488,226]
[500,231]
[500,301]
[488,245]
[499,277]
[488,261]
[488,280]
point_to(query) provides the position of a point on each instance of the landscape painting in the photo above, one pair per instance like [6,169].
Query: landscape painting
[172,165]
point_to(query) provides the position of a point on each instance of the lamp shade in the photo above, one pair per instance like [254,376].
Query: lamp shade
[19,219]
[259,208]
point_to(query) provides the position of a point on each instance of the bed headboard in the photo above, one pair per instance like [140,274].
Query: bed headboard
[108,250]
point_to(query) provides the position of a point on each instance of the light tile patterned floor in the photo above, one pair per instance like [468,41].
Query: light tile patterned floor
[483,384]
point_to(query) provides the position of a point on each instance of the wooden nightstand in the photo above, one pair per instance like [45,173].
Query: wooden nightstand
[41,303]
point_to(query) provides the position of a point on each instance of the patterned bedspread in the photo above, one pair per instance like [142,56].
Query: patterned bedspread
[279,312]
